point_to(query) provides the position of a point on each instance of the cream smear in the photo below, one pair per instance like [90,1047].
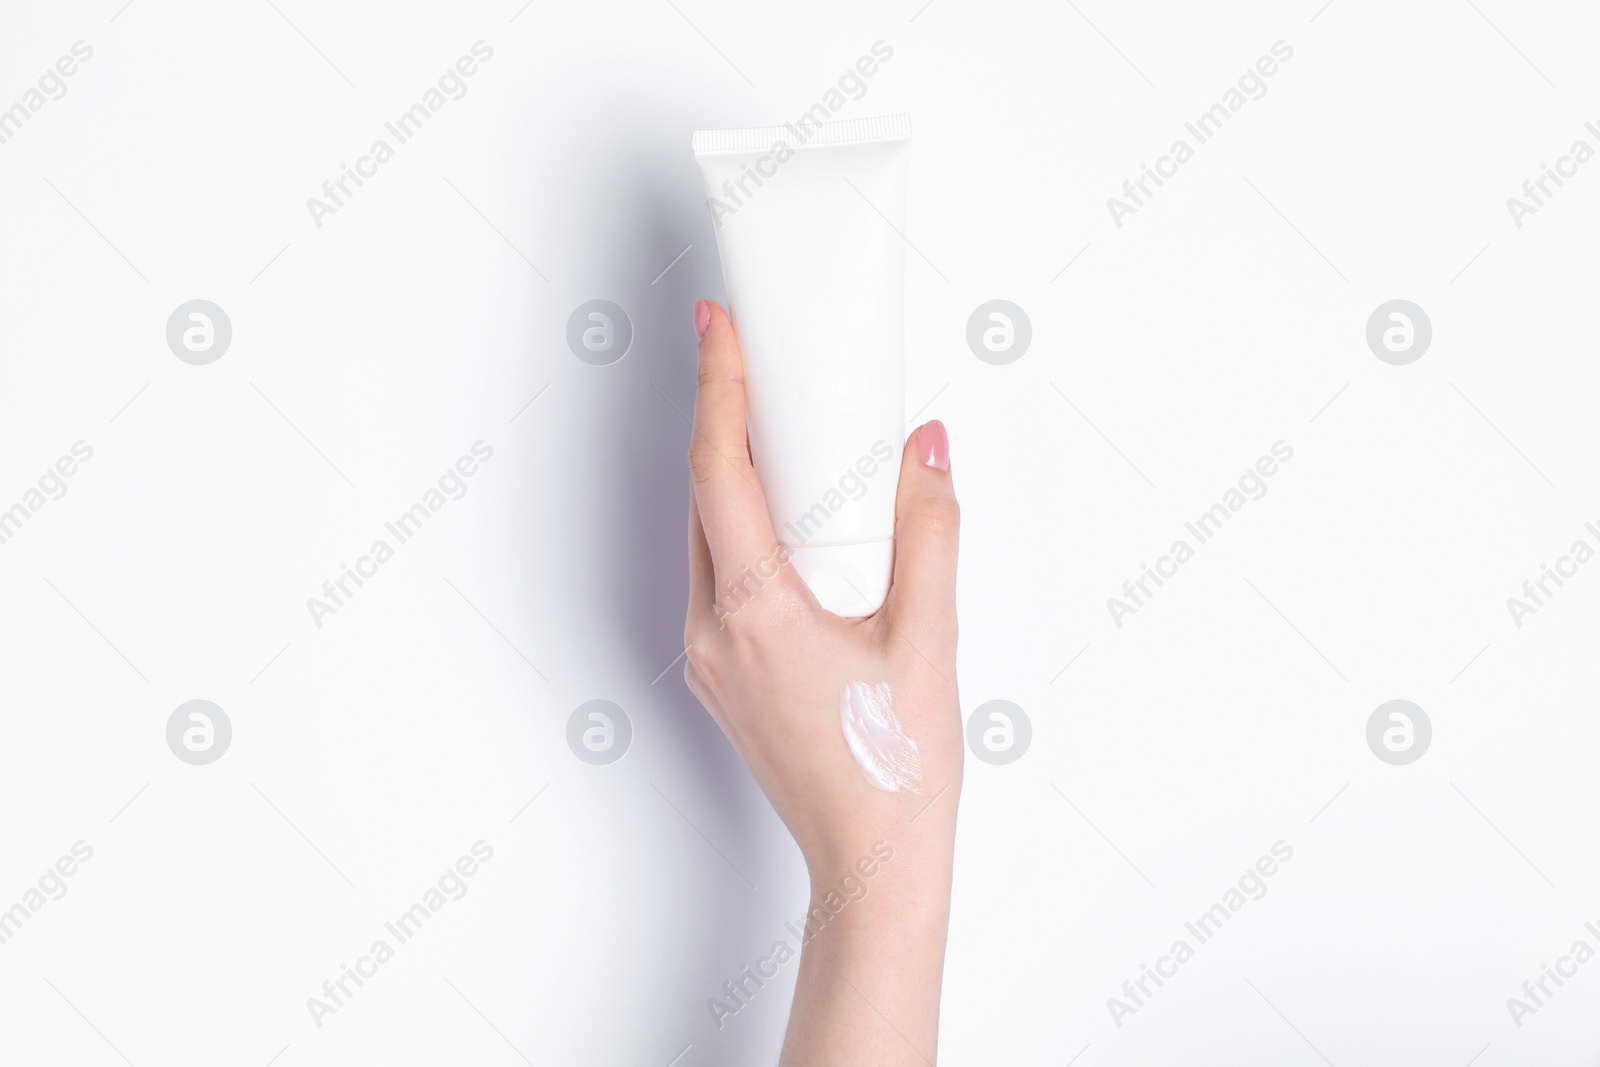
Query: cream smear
[886,755]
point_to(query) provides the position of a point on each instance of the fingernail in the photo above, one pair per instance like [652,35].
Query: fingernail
[933,445]
[702,319]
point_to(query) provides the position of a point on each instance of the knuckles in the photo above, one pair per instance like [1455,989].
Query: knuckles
[743,635]
[702,462]
[752,627]
[710,372]
[704,661]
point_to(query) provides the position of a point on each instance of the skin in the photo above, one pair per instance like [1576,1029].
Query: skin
[770,667]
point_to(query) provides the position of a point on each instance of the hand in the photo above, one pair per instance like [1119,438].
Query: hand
[771,666]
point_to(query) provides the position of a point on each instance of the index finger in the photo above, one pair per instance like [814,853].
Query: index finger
[733,509]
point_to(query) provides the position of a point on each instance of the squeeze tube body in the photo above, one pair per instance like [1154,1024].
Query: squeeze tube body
[807,222]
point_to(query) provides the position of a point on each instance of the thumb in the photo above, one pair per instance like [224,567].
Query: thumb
[922,597]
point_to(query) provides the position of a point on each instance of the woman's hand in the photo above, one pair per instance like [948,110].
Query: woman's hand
[792,685]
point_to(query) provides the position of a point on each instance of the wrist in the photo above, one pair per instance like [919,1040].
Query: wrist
[887,882]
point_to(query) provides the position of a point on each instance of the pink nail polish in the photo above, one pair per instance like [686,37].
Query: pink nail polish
[933,445]
[702,319]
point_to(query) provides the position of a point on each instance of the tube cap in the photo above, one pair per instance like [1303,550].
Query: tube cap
[848,580]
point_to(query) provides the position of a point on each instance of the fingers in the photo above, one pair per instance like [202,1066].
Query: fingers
[702,580]
[732,508]
[922,597]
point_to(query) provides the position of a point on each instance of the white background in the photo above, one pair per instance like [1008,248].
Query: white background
[368,354]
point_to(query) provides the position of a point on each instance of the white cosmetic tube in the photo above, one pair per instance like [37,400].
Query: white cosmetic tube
[808,223]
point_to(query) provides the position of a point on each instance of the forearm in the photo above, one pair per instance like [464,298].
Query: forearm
[871,968]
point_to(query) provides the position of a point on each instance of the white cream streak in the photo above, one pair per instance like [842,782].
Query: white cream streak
[886,755]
